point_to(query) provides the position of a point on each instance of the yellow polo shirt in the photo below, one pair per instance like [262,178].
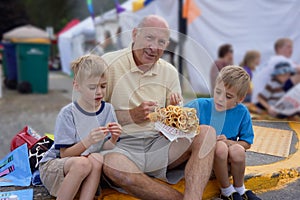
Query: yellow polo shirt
[128,86]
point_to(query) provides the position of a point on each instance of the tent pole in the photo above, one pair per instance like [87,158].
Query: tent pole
[181,38]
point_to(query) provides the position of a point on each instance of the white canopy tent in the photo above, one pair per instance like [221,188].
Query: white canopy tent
[71,43]
[247,25]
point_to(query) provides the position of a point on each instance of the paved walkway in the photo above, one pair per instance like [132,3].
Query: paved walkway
[263,172]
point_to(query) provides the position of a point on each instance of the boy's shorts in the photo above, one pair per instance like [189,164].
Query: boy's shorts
[52,174]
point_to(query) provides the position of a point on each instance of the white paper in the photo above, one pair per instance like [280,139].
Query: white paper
[173,133]
[289,104]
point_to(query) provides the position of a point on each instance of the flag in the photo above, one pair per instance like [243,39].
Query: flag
[190,11]
[90,8]
[119,8]
[139,4]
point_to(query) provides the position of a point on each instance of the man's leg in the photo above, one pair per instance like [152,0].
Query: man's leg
[124,173]
[199,165]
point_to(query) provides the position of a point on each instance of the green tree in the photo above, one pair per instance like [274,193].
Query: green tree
[12,14]
[57,13]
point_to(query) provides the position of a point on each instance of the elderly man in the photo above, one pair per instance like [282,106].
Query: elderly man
[138,81]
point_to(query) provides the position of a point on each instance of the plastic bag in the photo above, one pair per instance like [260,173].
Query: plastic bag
[37,145]
[15,169]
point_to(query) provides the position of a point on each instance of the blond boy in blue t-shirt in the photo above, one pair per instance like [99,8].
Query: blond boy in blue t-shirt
[233,125]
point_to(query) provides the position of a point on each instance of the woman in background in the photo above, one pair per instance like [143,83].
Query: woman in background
[249,63]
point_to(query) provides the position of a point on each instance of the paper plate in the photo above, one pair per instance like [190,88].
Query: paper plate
[173,133]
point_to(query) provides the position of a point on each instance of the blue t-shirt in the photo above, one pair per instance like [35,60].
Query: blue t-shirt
[234,123]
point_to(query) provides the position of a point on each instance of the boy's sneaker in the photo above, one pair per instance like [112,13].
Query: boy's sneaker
[249,195]
[233,196]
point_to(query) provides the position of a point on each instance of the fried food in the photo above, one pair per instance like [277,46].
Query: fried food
[182,118]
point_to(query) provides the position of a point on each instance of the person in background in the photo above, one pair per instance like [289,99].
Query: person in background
[83,128]
[233,139]
[225,57]
[139,81]
[284,77]
[108,45]
[283,48]
[249,63]
[119,38]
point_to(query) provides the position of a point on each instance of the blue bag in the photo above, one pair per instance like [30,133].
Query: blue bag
[15,168]
[26,194]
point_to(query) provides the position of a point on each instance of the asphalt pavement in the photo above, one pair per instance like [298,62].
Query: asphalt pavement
[40,110]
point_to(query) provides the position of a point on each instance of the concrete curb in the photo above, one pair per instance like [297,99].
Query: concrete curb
[258,178]
[263,177]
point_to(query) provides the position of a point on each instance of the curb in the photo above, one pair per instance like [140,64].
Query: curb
[275,175]
[258,178]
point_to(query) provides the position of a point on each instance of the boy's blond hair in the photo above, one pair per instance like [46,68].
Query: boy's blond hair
[236,77]
[88,66]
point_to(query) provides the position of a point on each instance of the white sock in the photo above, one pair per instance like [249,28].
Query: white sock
[240,190]
[228,191]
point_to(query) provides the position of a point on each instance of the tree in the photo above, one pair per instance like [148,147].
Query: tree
[12,14]
[43,13]
[57,13]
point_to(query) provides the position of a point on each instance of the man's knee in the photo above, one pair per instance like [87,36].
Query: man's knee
[121,170]
[112,160]
[205,142]
[207,134]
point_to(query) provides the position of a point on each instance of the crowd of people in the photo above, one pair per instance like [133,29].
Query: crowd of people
[269,84]
[105,135]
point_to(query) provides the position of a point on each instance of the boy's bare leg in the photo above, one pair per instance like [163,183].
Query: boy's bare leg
[221,164]
[238,164]
[92,181]
[76,169]
[125,174]
[199,166]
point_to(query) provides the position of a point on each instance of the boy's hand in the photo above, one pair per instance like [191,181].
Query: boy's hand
[221,138]
[97,134]
[272,111]
[175,99]
[224,139]
[115,129]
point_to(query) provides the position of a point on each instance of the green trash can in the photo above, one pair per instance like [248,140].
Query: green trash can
[32,59]
[4,62]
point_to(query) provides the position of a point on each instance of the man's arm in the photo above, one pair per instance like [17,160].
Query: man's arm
[124,117]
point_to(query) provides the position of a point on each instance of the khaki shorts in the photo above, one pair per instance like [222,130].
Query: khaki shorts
[150,154]
[52,174]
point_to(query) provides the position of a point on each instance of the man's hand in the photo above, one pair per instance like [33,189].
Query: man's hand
[139,114]
[176,99]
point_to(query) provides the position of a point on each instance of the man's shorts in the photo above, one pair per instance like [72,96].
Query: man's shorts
[150,152]
[52,174]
